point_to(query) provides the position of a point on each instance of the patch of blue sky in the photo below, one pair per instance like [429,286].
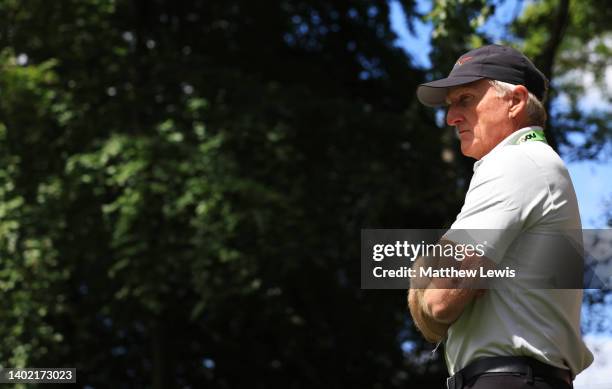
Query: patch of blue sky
[416,45]
[597,376]
[496,26]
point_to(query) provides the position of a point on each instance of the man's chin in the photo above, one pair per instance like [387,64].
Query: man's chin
[469,151]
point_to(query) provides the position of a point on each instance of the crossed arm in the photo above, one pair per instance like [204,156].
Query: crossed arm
[437,303]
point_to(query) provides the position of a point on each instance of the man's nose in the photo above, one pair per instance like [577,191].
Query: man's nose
[452,116]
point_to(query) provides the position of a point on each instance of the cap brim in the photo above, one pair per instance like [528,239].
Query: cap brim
[433,94]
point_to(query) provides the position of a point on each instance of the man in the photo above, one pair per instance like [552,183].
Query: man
[518,337]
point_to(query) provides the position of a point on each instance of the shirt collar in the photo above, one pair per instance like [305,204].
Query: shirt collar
[509,140]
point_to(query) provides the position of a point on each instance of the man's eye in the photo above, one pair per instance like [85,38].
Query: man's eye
[464,100]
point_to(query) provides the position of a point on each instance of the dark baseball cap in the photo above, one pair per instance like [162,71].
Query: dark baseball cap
[494,62]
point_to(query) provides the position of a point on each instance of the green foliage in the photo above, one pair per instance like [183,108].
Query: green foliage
[182,186]
[30,260]
[583,53]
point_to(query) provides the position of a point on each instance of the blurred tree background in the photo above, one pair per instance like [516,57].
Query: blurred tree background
[183,184]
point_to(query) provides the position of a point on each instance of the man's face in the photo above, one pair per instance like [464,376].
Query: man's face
[480,116]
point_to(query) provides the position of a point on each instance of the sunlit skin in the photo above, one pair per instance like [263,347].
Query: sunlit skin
[482,117]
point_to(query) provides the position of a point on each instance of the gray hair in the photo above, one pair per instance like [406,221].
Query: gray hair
[536,114]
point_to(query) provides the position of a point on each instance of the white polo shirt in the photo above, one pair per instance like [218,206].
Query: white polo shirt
[520,191]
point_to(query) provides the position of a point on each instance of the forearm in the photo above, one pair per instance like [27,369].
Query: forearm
[437,303]
[444,299]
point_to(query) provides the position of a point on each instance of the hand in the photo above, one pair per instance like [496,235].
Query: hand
[433,331]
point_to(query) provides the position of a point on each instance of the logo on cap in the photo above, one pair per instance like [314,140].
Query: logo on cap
[463,60]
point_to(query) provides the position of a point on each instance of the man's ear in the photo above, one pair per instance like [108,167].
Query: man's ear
[518,102]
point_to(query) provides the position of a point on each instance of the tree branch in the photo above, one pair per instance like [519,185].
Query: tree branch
[548,55]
